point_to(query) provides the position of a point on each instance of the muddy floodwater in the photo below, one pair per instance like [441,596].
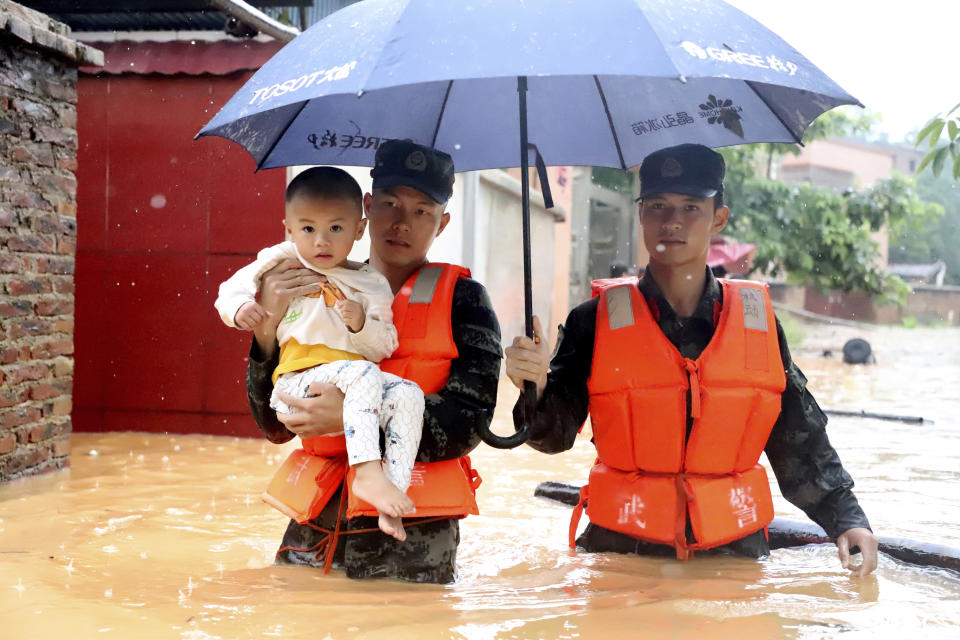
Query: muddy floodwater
[152,536]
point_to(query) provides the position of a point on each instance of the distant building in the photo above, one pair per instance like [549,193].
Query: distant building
[920,273]
[844,165]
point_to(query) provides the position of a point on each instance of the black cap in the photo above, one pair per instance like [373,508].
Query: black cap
[405,163]
[687,169]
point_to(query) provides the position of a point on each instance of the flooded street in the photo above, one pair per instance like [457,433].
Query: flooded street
[152,536]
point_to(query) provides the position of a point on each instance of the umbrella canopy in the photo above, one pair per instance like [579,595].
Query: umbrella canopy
[586,83]
[608,83]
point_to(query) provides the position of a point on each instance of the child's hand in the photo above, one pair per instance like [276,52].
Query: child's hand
[352,313]
[250,316]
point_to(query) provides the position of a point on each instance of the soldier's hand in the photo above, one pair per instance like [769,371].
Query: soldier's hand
[858,537]
[320,415]
[529,359]
[284,282]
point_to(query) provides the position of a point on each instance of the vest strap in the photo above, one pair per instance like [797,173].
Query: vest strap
[680,522]
[694,374]
[577,513]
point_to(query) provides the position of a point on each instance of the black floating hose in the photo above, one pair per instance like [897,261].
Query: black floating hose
[790,533]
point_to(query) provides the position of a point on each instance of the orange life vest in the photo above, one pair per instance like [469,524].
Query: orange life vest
[650,478]
[421,312]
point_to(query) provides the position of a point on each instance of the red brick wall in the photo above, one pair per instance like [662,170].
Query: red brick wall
[38,230]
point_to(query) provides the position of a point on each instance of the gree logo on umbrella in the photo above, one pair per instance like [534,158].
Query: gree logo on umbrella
[760,61]
[720,111]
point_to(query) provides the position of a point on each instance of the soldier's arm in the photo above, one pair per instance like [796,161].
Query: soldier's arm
[259,388]
[806,465]
[563,406]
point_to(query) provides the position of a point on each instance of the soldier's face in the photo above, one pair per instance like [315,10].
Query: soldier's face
[677,228]
[403,224]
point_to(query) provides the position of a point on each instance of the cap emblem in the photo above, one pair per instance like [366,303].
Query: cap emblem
[671,168]
[416,161]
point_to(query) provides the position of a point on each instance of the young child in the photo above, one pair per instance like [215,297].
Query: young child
[337,335]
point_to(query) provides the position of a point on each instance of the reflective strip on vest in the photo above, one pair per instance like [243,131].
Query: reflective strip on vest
[620,308]
[425,285]
[754,309]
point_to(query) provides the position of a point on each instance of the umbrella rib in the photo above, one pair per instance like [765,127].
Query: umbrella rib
[443,107]
[774,112]
[613,131]
[279,137]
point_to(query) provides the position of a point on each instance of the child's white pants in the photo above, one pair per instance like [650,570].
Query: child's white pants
[373,400]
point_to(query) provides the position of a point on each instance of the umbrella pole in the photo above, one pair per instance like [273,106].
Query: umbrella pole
[529,388]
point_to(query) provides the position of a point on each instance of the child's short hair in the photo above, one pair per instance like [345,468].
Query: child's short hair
[325,182]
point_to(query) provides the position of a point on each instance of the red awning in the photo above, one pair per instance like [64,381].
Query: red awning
[191,57]
[735,258]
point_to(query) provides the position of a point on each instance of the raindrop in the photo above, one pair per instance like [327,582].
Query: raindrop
[93,453]
[456,147]
[108,593]
[689,277]
[660,248]
[158,201]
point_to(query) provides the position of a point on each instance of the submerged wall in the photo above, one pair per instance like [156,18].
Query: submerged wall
[38,227]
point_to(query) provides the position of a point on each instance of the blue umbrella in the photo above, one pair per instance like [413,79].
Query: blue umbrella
[604,84]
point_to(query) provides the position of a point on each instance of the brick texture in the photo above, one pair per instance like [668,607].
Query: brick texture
[38,240]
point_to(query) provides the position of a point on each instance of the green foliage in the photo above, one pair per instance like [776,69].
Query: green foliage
[821,238]
[938,240]
[909,322]
[811,235]
[817,236]
[792,329]
[948,148]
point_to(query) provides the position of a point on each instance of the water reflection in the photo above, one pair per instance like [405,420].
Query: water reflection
[165,537]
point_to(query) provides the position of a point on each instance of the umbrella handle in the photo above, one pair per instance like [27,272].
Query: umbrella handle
[522,434]
[529,388]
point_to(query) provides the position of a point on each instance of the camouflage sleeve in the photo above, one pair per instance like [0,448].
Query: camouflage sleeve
[454,415]
[562,408]
[807,467]
[259,388]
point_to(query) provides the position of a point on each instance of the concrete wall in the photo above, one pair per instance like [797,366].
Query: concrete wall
[38,149]
[867,163]
[928,304]
[498,252]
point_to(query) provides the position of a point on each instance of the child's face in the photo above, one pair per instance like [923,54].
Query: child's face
[677,228]
[324,229]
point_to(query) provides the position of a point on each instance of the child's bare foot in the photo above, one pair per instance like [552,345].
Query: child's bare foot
[372,485]
[392,526]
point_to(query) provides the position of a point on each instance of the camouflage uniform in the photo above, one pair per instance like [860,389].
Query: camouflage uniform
[450,429]
[807,467]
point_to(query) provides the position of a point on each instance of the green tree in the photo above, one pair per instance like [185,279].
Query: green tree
[940,239]
[942,150]
[821,238]
[817,236]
